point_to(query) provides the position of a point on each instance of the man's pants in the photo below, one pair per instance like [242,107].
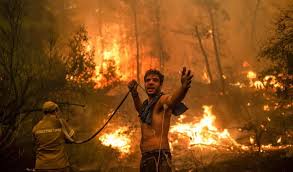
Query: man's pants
[151,162]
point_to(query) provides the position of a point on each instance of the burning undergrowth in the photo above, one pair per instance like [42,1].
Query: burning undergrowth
[247,119]
[195,140]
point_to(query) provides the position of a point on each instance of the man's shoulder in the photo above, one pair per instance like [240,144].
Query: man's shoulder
[165,97]
[40,122]
[45,122]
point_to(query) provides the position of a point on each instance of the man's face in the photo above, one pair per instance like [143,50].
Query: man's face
[152,85]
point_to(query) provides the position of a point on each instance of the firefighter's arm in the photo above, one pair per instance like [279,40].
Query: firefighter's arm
[180,93]
[69,132]
[132,86]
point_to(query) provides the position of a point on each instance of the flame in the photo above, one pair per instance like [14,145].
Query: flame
[266,108]
[269,81]
[251,140]
[109,69]
[245,64]
[206,78]
[251,75]
[203,132]
[88,47]
[115,59]
[118,140]
[258,85]
[200,133]
[279,140]
[238,84]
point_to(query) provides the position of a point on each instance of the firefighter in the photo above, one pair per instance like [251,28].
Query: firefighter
[49,138]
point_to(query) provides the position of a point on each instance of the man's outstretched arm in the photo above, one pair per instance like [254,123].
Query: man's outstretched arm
[179,94]
[132,86]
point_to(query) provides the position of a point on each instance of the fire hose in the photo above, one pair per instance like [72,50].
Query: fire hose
[98,131]
[68,137]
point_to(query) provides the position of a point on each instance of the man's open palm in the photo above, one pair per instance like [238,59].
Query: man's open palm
[186,78]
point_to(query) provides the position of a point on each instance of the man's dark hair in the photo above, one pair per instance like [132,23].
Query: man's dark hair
[154,72]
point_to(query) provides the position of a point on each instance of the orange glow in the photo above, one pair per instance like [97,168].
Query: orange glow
[271,80]
[203,132]
[245,64]
[238,84]
[115,58]
[251,75]
[279,140]
[251,140]
[109,66]
[206,78]
[197,133]
[258,85]
[118,140]
[266,108]
[88,47]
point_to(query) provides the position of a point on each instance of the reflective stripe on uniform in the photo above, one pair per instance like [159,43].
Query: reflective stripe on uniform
[52,130]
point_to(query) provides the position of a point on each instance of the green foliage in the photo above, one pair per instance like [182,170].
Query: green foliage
[279,48]
[29,71]
[277,83]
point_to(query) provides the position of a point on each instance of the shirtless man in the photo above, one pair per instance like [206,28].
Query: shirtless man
[155,114]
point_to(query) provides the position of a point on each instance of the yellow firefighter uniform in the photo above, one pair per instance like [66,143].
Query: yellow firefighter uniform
[50,140]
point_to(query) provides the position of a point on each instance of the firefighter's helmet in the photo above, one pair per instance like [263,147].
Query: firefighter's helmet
[49,107]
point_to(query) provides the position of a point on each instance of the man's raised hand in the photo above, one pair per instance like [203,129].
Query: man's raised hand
[186,78]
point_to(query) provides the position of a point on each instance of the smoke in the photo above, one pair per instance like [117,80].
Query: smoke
[240,26]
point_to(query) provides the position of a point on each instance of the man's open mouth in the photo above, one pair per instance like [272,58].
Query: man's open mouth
[150,89]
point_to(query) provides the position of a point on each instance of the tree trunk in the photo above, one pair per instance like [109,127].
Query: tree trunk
[217,51]
[159,36]
[204,54]
[100,32]
[134,10]
[253,24]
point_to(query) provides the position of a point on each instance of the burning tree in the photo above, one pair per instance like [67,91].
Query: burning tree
[80,62]
[134,9]
[213,10]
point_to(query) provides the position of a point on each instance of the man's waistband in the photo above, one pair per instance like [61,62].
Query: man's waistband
[155,152]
